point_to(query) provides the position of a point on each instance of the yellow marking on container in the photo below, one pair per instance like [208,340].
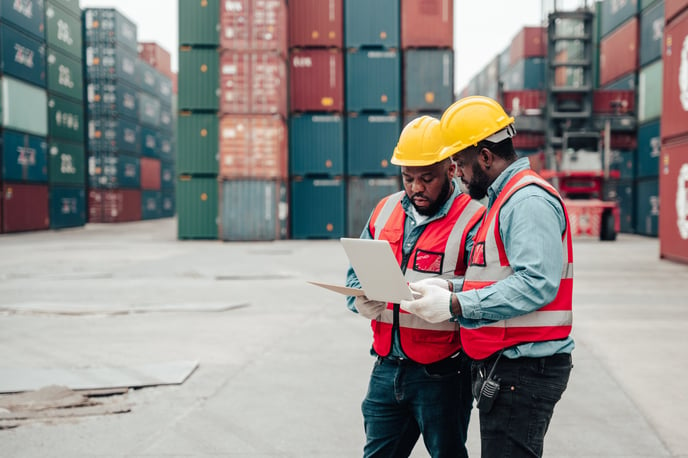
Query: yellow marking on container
[327,101]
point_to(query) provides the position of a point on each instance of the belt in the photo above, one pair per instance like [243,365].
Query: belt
[400,360]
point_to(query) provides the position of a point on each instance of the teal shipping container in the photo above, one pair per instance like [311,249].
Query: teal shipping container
[318,208]
[166,146]
[22,56]
[109,26]
[371,23]
[525,74]
[621,191]
[114,171]
[428,79]
[112,98]
[166,119]
[151,204]
[199,79]
[197,207]
[628,82]
[66,163]
[649,150]
[623,161]
[149,143]
[149,110]
[164,89]
[370,142]
[254,210]
[651,33]
[72,6]
[363,194]
[65,76]
[373,80]
[615,12]
[647,206]
[199,22]
[65,119]
[168,203]
[316,144]
[27,15]
[109,134]
[198,144]
[24,107]
[63,31]
[167,175]
[67,207]
[110,61]
[650,91]
[24,157]
[147,77]
[646,3]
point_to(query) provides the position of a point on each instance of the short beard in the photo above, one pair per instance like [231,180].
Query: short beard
[480,182]
[437,204]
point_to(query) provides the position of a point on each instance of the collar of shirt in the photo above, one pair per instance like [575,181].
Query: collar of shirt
[407,205]
[501,181]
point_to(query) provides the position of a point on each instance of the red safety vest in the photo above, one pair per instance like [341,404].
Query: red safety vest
[438,251]
[489,264]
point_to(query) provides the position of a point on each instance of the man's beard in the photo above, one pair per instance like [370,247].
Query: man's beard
[480,182]
[437,204]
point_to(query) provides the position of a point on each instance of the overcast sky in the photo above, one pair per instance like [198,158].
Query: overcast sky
[482,28]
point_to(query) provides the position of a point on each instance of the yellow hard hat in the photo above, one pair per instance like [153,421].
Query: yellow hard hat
[474,119]
[420,143]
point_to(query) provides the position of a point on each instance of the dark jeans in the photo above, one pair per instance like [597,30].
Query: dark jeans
[529,389]
[406,399]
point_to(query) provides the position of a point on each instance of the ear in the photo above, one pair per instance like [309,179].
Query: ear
[485,158]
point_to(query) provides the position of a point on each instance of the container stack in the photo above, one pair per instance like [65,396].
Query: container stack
[673,161]
[197,122]
[66,128]
[373,80]
[113,132]
[253,171]
[24,158]
[317,119]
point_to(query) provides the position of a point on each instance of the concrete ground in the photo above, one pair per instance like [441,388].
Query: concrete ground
[284,375]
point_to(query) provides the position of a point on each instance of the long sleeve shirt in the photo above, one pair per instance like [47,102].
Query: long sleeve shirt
[412,231]
[531,224]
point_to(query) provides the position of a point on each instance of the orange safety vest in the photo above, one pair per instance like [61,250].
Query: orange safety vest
[438,251]
[489,264]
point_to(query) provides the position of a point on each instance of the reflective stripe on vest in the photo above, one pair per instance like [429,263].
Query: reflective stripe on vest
[489,264]
[439,251]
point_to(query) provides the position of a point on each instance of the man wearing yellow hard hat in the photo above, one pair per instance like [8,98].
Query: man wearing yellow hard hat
[514,304]
[420,382]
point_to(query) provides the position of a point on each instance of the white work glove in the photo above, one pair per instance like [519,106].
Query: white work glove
[368,308]
[432,281]
[433,306]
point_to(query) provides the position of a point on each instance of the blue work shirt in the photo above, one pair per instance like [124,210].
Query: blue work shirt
[531,224]
[412,231]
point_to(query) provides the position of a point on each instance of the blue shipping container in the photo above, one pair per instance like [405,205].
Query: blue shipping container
[621,191]
[373,80]
[628,82]
[22,56]
[616,12]
[112,171]
[651,33]
[167,175]
[112,98]
[149,143]
[363,194]
[623,161]
[151,204]
[525,74]
[147,77]
[113,135]
[428,79]
[24,157]
[166,120]
[649,149]
[107,25]
[371,23]
[168,204]
[316,144]
[166,146]
[647,206]
[254,210]
[370,142]
[317,208]
[67,207]
[110,62]
[27,15]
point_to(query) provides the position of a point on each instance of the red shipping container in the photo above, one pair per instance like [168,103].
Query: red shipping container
[521,102]
[427,23]
[527,140]
[673,200]
[114,206]
[254,25]
[155,55]
[317,80]
[675,80]
[253,83]
[618,102]
[150,174]
[24,207]
[673,8]
[529,42]
[619,52]
[253,146]
[316,23]
[623,141]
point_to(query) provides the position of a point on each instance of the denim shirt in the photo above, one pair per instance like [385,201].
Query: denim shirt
[412,231]
[531,223]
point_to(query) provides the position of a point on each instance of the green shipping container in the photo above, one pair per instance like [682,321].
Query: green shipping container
[199,22]
[199,79]
[66,163]
[23,107]
[197,207]
[68,5]
[65,76]
[65,119]
[645,3]
[63,31]
[650,92]
[197,144]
